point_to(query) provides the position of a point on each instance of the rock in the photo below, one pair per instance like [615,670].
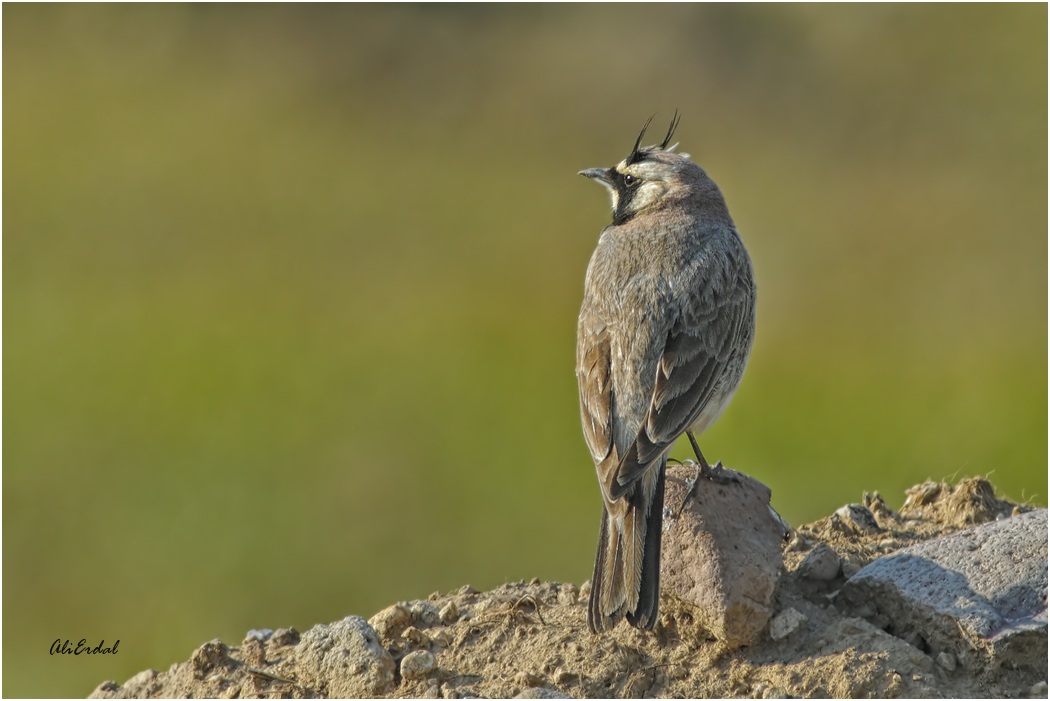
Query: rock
[855,518]
[423,613]
[982,589]
[285,636]
[449,613]
[722,554]
[1038,690]
[821,564]
[785,623]
[345,659]
[260,634]
[947,661]
[417,664]
[389,622]
[209,657]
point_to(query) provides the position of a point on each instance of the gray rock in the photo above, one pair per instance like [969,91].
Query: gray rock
[947,661]
[722,554]
[345,660]
[785,623]
[260,634]
[449,613]
[417,664]
[821,564]
[981,589]
[389,622]
[855,518]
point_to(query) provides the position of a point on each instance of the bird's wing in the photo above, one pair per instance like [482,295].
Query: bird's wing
[593,373]
[699,346]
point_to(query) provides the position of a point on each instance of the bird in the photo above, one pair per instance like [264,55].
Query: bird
[664,334]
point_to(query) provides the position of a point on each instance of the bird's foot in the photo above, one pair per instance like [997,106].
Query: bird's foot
[718,474]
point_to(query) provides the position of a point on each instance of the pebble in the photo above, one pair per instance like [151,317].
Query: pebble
[391,619]
[821,564]
[260,634]
[857,518]
[415,635]
[417,664]
[1038,690]
[449,613]
[785,623]
[947,661]
[285,636]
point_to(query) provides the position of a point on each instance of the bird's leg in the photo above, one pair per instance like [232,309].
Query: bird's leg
[715,474]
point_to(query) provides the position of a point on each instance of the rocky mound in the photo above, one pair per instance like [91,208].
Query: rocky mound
[946,598]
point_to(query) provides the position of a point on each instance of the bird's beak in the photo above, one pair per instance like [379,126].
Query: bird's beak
[600,174]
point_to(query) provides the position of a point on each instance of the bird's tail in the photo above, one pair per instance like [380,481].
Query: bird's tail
[626,579]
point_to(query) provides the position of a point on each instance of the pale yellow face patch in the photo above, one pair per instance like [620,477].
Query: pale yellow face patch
[651,188]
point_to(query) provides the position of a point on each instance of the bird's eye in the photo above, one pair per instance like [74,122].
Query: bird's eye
[630,180]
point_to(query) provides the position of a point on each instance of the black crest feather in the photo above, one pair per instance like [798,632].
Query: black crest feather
[670,131]
[636,152]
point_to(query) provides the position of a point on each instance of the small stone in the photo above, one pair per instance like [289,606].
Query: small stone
[947,661]
[390,620]
[285,636]
[821,564]
[415,635]
[260,634]
[855,518]
[466,590]
[433,692]
[423,612]
[785,623]
[417,664]
[208,657]
[1038,690]
[449,613]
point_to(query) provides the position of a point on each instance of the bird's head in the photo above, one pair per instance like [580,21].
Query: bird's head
[654,177]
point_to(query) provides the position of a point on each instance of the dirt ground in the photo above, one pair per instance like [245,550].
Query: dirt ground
[531,638]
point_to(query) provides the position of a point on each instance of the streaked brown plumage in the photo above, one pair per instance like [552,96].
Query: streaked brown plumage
[664,333]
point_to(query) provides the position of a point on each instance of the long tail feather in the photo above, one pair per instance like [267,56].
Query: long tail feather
[626,580]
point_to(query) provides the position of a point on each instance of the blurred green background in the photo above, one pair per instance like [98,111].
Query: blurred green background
[290,293]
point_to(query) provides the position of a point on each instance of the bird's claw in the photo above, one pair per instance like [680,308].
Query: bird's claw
[718,473]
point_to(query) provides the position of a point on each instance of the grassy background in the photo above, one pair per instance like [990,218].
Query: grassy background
[290,292]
